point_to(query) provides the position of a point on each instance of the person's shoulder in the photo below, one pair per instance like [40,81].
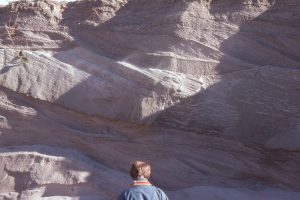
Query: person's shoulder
[158,189]
[161,193]
[127,194]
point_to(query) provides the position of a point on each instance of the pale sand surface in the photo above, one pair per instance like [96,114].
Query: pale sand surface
[206,91]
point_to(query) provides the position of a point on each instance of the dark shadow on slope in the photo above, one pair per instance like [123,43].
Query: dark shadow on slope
[6,68]
[257,102]
[228,107]
[136,29]
[7,65]
[252,103]
[259,99]
[59,137]
[272,38]
[257,38]
[115,39]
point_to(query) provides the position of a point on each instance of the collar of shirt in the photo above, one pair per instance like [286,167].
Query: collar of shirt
[140,181]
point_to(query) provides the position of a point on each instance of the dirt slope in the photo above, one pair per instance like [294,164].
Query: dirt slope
[207,91]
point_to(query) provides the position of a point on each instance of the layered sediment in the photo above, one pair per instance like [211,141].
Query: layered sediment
[206,91]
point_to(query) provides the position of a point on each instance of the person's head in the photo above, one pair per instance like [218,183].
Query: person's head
[140,169]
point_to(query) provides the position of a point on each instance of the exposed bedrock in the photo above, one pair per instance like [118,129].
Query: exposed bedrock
[207,91]
[50,151]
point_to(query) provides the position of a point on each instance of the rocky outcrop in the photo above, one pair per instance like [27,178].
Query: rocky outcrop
[206,91]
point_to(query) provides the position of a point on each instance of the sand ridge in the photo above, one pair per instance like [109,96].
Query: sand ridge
[206,91]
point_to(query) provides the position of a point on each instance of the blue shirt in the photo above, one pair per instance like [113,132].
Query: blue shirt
[143,192]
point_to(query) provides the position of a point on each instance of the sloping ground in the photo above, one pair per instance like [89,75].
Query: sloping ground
[206,91]
[180,159]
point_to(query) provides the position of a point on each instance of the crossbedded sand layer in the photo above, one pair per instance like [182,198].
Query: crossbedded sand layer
[33,166]
[206,91]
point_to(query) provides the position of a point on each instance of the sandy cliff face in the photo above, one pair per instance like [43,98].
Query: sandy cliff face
[206,91]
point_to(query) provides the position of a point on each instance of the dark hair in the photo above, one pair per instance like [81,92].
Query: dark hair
[139,169]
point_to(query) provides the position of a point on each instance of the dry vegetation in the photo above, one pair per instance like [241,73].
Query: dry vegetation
[11,28]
